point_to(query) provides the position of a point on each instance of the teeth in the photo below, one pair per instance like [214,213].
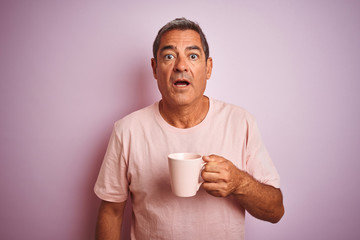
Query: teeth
[182,83]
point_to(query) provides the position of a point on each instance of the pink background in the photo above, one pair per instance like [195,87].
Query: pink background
[69,69]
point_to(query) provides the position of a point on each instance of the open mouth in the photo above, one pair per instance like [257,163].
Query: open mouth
[181,83]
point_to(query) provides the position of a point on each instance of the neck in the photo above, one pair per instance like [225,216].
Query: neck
[185,116]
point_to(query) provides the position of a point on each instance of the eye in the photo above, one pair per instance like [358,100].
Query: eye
[169,56]
[194,56]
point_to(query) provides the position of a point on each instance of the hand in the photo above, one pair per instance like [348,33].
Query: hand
[221,176]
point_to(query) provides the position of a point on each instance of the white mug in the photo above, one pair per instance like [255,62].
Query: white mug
[185,169]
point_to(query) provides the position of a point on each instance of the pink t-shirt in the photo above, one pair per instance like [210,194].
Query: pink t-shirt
[136,165]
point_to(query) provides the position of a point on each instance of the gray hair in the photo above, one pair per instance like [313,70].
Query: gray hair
[181,24]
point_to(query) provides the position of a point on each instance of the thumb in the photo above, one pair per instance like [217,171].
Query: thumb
[207,159]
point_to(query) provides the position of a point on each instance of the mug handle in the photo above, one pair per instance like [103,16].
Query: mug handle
[201,181]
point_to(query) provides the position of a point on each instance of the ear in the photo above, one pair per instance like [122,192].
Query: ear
[153,65]
[209,66]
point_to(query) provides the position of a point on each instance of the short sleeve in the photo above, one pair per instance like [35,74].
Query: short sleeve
[112,183]
[258,161]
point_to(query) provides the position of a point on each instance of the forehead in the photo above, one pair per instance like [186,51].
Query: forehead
[181,38]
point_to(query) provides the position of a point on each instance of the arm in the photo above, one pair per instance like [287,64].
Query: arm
[260,200]
[223,178]
[109,220]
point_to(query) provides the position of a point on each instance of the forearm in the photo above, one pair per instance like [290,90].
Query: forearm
[223,178]
[260,200]
[109,221]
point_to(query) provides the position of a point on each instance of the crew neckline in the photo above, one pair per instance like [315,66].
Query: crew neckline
[163,123]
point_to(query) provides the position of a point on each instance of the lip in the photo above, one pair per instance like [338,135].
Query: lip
[181,83]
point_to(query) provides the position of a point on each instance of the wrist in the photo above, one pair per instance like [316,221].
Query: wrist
[245,181]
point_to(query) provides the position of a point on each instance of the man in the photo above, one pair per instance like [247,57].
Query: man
[238,174]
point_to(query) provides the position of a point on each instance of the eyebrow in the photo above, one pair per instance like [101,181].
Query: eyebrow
[194,48]
[171,47]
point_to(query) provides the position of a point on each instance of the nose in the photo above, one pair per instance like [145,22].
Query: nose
[180,64]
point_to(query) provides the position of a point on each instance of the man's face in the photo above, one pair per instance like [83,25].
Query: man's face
[181,69]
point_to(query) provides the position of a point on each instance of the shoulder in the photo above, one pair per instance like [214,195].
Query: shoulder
[231,111]
[136,118]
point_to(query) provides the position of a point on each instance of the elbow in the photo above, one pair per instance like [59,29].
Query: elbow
[279,209]
[278,215]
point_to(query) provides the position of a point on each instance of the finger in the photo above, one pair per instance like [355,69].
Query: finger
[215,189]
[209,186]
[212,167]
[210,176]
[218,165]
[216,158]
[213,158]
[207,159]
[216,177]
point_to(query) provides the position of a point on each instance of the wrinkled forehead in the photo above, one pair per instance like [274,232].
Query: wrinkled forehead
[180,39]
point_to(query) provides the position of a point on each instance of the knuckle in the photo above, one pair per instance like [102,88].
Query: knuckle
[205,185]
[226,177]
[223,194]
